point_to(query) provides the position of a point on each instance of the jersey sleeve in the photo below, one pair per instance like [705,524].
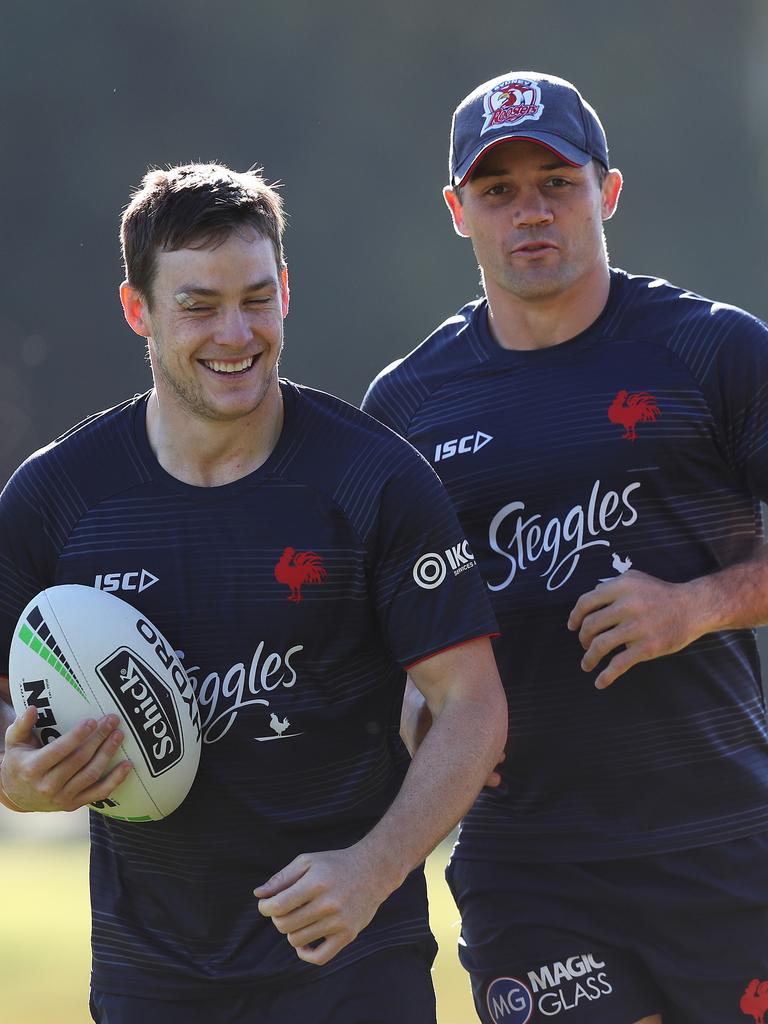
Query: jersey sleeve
[27,553]
[386,401]
[428,592]
[739,389]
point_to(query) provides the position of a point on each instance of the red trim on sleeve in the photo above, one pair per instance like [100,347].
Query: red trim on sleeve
[450,647]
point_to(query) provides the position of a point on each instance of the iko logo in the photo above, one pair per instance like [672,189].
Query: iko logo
[509,1001]
[111,581]
[147,707]
[431,569]
[467,445]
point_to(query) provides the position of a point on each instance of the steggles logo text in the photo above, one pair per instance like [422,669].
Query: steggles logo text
[525,539]
[221,697]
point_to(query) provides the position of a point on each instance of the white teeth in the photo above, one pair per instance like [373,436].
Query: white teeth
[214,364]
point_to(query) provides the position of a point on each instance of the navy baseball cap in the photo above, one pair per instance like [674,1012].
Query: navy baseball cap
[525,105]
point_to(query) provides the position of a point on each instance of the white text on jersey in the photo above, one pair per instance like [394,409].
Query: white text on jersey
[467,445]
[111,581]
[523,540]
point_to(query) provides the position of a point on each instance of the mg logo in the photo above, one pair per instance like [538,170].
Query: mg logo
[138,581]
[509,1001]
[467,445]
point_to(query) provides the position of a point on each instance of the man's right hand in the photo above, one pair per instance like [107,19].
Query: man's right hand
[67,773]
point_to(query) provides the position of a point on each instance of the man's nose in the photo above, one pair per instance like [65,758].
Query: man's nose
[532,209]
[233,328]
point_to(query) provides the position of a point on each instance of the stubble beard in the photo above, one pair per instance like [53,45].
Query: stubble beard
[192,397]
[538,284]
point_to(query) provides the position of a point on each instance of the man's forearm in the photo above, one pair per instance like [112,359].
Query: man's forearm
[446,774]
[332,895]
[733,598]
[415,718]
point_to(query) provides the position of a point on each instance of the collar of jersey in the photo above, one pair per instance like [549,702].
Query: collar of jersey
[591,335]
[291,413]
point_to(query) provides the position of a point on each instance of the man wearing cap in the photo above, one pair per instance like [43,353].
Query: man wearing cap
[604,438]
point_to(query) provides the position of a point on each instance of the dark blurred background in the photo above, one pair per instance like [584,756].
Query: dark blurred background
[348,104]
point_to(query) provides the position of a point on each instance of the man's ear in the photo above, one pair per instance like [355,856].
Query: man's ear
[135,309]
[611,192]
[453,203]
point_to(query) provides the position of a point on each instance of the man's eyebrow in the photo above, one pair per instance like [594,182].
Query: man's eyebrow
[184,294]
[492,171]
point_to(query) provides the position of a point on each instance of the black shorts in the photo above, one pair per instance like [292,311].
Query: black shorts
[393,986]
[682,934]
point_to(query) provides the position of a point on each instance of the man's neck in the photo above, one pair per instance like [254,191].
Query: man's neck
[531,324]
[209,453]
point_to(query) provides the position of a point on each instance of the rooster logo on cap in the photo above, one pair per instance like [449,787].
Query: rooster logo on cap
[512,102]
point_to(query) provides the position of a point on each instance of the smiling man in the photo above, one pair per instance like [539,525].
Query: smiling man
[292,541]
[605,441]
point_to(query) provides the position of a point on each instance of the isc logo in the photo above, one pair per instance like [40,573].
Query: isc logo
[111,581]
[467,445]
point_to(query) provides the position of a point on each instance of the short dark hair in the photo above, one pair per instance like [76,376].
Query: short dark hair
[601,171]
[195,206]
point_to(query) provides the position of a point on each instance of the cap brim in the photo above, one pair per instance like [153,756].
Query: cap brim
[565,150]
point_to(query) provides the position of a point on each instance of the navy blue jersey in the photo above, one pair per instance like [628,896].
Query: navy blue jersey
[642,442]
[295,595]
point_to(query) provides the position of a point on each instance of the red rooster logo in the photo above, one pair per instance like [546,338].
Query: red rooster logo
[295,569]
[754,1002]
[629,410]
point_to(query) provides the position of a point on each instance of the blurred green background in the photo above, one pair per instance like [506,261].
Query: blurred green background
[348,104]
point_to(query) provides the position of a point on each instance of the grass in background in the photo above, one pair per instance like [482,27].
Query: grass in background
[44,940]
[44,933]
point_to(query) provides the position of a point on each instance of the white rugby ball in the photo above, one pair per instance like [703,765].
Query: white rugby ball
[81,653]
